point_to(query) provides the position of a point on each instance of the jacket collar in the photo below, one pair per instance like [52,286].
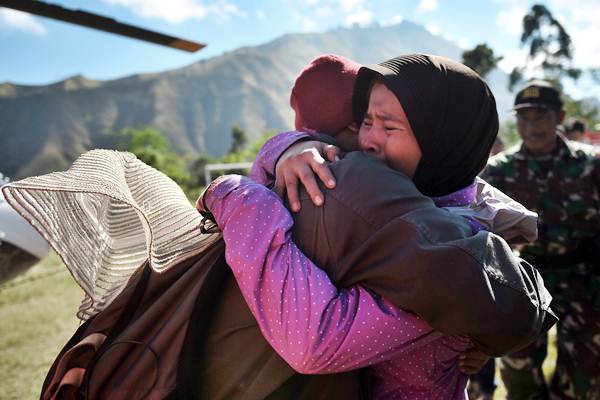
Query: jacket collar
[564,149]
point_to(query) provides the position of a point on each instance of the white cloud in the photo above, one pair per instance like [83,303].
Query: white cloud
[511,59]
[579,18]
[427,6]
[361,17]
[260,14]
[308,25]
[586,46]
[464,43]
[433,29]
[177,11]
[511,20]
[21,21]
[224,10]
[324,12]
[583,11]
[313,13]
[174,11]
[351,5]
[396,19]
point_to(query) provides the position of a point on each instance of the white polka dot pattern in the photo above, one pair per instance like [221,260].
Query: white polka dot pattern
[316,327]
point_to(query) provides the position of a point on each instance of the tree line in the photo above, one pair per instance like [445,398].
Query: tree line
[153,148]
[549,56]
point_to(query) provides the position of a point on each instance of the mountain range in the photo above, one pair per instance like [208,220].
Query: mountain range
[44,128]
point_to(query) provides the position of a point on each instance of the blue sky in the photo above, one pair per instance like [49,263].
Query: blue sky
[36,50]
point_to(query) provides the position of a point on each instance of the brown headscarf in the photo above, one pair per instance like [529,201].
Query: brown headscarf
[449,107]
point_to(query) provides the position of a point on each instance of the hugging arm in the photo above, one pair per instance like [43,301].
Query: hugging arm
[427,261]
[287,163]
[263,169]
[314,326]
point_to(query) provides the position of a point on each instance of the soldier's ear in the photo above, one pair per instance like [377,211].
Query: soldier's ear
[561,115]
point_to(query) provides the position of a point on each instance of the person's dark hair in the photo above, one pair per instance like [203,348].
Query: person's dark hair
[449,107]
[575,124]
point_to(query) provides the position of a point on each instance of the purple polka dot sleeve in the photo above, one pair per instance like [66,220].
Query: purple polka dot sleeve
[314,326]
[263,169]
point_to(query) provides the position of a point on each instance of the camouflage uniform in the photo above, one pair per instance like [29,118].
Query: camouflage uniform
[564,189]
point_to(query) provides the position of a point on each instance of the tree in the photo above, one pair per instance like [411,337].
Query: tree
[508,133]
[197,166]
[481,59]
[134,139]
[550,47]
[154,149]
[581,109]
[238,139]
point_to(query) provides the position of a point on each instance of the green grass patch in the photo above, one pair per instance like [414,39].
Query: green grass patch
[37,310]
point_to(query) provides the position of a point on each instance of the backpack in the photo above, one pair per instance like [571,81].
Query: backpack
[131,349]
[156,340]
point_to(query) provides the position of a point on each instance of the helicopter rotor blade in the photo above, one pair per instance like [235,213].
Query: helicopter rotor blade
[100,22]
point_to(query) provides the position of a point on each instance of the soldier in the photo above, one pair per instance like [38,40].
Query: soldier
[559,179]
[575,129]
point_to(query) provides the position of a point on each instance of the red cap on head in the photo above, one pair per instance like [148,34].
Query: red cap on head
[322,94]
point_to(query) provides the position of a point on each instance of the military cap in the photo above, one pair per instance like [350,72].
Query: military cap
[538,94]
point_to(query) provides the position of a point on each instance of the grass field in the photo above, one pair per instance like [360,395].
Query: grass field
[37,314]
[37,310]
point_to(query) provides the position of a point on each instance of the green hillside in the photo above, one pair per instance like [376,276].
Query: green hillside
[44,128]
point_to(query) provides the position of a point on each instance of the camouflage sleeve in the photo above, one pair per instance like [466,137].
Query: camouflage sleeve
[494,174]
[596,173]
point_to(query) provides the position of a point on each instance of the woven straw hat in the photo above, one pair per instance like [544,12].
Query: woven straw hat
[105,217]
